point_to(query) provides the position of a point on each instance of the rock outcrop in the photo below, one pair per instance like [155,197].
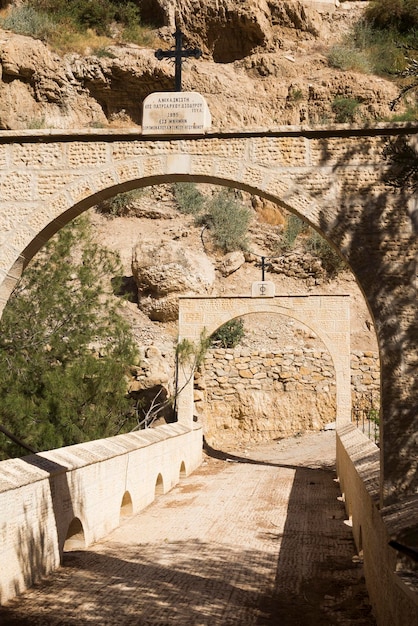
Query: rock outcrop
[38,89]
[163,271]
[264,64]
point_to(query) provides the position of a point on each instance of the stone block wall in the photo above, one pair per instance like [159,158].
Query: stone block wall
[365,379]
[392,591]
[249,395]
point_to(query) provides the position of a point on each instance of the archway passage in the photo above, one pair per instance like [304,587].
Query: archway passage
[276,382]
[333,179]
[126,508]
[327,316]
[159,485]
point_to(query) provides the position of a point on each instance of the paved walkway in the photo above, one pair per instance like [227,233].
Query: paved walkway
[255,540]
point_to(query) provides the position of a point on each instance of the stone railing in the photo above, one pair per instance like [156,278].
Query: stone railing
[68,498]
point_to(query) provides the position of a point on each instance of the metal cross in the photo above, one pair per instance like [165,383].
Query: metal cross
[178,54]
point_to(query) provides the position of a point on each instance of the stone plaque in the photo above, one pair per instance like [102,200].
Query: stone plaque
[262,289]
[172,113]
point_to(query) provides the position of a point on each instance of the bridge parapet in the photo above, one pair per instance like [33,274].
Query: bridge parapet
[71,497]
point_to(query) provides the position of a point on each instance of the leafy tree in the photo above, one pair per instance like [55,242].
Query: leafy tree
[64,348]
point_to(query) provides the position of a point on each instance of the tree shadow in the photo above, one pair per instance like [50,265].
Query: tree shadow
[302,573]
[377,235]
[38,527]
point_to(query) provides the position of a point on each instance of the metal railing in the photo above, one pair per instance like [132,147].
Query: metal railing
[366,416]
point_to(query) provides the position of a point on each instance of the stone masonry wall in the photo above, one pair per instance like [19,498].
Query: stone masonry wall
[248,395]
[365,379]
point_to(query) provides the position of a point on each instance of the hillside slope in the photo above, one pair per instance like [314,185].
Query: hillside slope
[264,64]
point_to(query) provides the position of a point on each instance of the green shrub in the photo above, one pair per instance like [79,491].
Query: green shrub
[344,109]
[84,14]
[138,34]
[345,57]
[104,52]
[296,95]
[227,220]
[229,335]
[383,47]
[377,43]
[331,261]
[26,20]
[118,206]
[293,228]
[401,15]
[77,24]
[410,115]
[189,199]
[36,123]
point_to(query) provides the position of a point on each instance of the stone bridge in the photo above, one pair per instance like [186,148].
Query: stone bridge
[333,179]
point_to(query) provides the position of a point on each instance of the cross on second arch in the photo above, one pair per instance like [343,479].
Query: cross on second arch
[178,54]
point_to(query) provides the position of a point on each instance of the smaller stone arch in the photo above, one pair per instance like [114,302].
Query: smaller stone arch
[327,316]
[75,539]
[277,381]
[159,485]
[126,507]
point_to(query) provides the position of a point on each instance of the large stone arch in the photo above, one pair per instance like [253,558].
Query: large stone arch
[327,316]
[331,178]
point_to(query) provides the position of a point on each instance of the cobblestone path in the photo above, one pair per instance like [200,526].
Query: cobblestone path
[257,539]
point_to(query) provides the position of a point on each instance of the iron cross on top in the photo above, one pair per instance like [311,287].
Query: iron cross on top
[178,54]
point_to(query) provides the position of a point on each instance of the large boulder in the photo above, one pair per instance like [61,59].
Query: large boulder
[231,262]
[164,271]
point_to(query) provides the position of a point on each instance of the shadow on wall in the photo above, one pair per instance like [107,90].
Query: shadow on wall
[379,239]
[49,527]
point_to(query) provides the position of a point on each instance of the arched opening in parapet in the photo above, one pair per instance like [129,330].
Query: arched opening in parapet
[75,539]
[126,508]
[182,472]
[276,381]
[360,542]
[159,486]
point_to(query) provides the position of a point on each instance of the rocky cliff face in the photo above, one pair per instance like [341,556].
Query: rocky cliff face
[264,64]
